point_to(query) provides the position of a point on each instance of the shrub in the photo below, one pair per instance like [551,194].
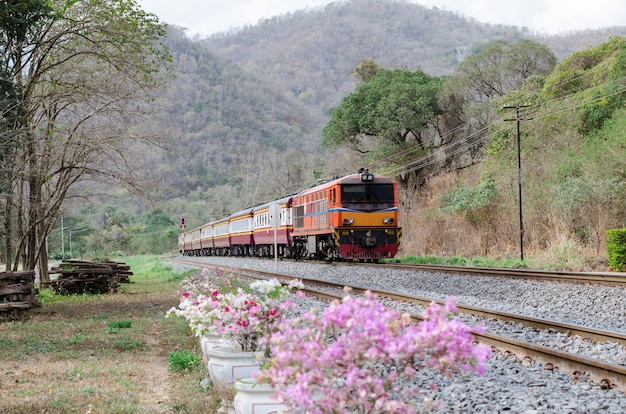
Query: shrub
[120,324]
[182,361]
[473,203]
[616,248]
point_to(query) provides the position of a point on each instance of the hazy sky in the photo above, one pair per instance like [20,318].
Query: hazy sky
[204,17]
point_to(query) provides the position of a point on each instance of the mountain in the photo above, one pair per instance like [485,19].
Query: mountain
[244,113]
[309,55]
[269,87]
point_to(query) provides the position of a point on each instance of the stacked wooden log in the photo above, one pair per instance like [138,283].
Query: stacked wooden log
[77,276]
[17,291]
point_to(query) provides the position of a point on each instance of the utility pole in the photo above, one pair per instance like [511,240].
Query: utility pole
[519,173]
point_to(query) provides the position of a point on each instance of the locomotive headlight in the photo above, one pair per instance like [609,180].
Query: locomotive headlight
[388,220]
[348,221]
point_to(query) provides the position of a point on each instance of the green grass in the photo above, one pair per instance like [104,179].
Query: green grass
[115,326]
[50,296]
[107,352]
[154,274]
[464,261]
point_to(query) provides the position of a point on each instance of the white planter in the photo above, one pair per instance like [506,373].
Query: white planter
[211,340]
[228,364]
[253,398]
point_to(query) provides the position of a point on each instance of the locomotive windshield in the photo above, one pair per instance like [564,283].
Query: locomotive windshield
[367,193]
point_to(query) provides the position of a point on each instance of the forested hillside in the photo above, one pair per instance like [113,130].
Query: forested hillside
[310,54]
[570,168]
[244,114]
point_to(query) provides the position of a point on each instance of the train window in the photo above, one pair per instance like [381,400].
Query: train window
[353,192]
[381,192]
[299,216]
[376,193]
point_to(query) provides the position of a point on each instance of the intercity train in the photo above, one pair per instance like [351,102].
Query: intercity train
[348,218]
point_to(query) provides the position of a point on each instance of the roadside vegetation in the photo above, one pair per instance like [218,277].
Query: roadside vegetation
[105,353]
[566,261]
[466,261]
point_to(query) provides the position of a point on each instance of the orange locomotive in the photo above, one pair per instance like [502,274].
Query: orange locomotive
[351,218]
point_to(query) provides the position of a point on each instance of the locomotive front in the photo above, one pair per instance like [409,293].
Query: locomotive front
[354,218]
[367,217]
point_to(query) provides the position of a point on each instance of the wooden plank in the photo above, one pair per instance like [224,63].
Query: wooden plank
[26,274]
[14,289]
[76,276]
[15,305]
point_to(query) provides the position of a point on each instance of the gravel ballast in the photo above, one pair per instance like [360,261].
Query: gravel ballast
[510,385]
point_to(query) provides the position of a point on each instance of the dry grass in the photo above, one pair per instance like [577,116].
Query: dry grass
[429,232]
[70,356]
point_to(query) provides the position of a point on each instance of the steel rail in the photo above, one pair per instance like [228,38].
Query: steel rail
[610,278]
[607,375]
[571,329]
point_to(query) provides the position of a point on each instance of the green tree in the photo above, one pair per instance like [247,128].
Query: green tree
[20,21]
[82,70]
[392,112]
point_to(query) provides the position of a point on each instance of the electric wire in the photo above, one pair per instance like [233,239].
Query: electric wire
[540,111]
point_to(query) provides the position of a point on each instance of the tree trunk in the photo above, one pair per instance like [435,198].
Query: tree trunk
[34,202]
[44,276]
[8,211]
[20,226]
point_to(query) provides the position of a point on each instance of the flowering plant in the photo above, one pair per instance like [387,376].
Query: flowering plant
[243,313]
[359,356]
[248,316]
[199,302]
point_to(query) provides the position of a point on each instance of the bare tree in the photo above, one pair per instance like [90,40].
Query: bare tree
[500,67]
[83,70]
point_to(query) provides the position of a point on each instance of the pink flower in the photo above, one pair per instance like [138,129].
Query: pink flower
[358,354]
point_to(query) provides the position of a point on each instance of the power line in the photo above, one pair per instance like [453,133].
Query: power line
[457,147]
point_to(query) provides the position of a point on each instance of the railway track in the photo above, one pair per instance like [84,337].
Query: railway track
[606,374]
[608,278]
